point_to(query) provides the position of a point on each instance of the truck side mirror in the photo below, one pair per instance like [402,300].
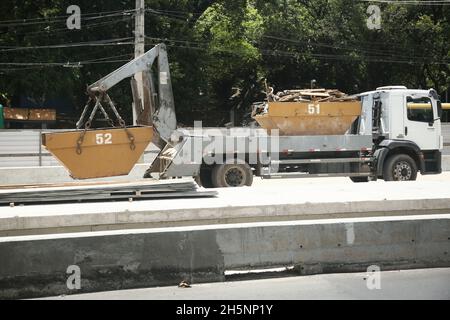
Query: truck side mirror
[439,109]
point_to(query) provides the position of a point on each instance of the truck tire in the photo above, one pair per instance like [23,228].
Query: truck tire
[400,167]
[232,175]
[359,179]
[204,179]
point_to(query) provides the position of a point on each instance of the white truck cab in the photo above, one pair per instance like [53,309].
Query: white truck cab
[405,125]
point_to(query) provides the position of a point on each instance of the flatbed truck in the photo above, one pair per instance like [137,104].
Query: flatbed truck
[396,136]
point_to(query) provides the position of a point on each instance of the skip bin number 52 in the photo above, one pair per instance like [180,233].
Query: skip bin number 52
[103,138]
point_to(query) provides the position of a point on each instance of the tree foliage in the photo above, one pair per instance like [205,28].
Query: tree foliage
[220,51]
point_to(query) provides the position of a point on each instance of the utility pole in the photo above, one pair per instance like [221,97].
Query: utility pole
[139,49]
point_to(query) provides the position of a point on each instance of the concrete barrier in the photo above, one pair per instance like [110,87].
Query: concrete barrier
[35,266]
[68,218]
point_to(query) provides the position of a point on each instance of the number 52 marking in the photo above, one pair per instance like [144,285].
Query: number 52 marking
[103,138]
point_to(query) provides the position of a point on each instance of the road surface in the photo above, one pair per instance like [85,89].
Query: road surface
[404,284]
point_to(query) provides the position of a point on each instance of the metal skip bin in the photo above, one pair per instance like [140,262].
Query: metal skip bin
[99,153]
[313,118]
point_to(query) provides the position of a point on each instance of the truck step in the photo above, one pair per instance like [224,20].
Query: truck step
[297,175]
[303,161]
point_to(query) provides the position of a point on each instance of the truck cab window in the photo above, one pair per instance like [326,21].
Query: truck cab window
[419,109]
[376,115]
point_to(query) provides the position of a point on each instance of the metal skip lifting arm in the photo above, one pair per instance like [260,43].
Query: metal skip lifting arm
[97,153]
[158,107]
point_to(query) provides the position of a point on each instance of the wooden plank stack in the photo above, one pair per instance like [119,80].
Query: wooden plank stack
[308,95]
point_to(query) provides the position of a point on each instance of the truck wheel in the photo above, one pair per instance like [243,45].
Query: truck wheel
[400,167]
[204,179]
[359,179]
[232,175]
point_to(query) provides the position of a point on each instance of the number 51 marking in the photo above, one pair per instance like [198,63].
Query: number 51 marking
[103,138]
[314,108]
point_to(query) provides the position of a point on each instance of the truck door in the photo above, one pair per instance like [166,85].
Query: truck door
[420,124]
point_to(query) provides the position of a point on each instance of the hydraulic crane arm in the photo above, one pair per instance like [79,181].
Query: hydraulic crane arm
[158,107]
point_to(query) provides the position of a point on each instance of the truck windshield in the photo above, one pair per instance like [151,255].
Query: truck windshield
[420,109]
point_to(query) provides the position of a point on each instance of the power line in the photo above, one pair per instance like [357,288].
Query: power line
[110,42]
[80,63]
[172,16]
[61,17]
[175,40]
[64,18]
[58,64]
[65,30]
[177,12]
[369,54]
[197,45]
[279,53]
[379,52]
[411,2]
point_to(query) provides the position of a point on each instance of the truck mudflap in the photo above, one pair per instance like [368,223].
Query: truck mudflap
[380,156]
[432,162]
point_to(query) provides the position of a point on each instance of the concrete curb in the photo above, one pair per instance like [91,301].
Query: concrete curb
[36,223]
[35,266]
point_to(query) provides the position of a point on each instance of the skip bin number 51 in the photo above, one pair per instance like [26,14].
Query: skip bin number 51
[103,138]
[314,108]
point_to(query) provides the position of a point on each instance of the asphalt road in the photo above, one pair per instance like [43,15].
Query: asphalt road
[404,284]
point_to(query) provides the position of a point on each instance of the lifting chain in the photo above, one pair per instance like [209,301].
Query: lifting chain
[121,122]
[88,123]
